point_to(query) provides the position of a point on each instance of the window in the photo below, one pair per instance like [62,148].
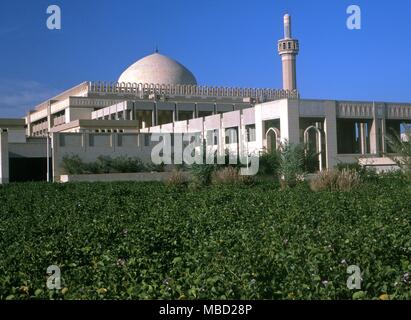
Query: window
[250,131]
[231,135]
[146,140]
[212,135]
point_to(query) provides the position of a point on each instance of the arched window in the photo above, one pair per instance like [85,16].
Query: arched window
[272,137]
[318,143]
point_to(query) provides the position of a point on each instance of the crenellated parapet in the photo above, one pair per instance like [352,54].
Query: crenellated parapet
[144,90]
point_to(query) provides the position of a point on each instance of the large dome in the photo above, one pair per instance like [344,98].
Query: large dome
[158,69]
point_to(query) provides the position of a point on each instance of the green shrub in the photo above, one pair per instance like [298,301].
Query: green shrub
[402,148]
[350,166]
[336,180]
[269,163]
[156,167]
[104,164]
[150,241]
[291,168]
[202,173]
[73,165]
[126,165]
[227,175]
[325,181]
[177,179]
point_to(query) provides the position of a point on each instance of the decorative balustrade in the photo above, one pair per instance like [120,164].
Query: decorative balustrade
[355,110]
[366,110]
[399,111]
[144,90]
[89,102]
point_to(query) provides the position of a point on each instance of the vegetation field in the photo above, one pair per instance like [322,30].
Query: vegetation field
[151,241]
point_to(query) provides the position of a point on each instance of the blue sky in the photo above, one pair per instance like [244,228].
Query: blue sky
[223,42]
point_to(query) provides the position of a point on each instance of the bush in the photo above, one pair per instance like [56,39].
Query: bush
[126,165]
[402,148]
[156,167]
[325,181]
[348,180]
[72,165]
[291,168]
[227,175]
[202,173]
[177,179]
[269,163]
[350,166]
[335,180]
[104,164]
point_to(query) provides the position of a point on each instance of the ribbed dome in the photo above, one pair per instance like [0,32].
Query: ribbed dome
[158,69]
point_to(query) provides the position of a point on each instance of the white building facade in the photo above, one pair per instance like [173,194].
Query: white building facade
[159,95]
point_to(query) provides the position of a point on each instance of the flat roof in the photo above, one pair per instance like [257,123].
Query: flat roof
[9,122]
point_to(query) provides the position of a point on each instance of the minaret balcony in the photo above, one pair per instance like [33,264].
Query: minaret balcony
[288,46]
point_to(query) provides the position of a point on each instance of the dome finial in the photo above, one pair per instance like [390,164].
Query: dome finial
[156,51]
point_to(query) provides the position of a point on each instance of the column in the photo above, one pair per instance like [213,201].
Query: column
[363,138]
[330,129]
[55,158]
[375,129]
[4,157]
[290,121]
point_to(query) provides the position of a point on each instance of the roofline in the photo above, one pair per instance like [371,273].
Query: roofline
[356,101]
[59,97]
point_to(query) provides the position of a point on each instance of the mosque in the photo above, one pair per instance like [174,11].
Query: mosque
[157,94]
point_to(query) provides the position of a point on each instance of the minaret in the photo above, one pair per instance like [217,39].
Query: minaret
[288,49]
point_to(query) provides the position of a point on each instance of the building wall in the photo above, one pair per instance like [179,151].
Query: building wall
[89,146]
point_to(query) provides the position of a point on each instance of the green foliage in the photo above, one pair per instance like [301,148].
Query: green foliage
[104,164]
[226,175]
[402,148]
[73,165]
[292,160]
[150,241]
[156,167]
[350,166]
[269,164]
[311,163]
[336,180]
[177,179]
[202,173]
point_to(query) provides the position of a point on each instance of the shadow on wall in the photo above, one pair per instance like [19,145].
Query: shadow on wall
[28,169]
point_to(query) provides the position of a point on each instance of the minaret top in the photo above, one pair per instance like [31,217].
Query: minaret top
[288,45]
[287,26]
[288,49]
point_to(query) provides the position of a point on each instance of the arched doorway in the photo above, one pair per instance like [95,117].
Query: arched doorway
[316,142]
[272,138]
